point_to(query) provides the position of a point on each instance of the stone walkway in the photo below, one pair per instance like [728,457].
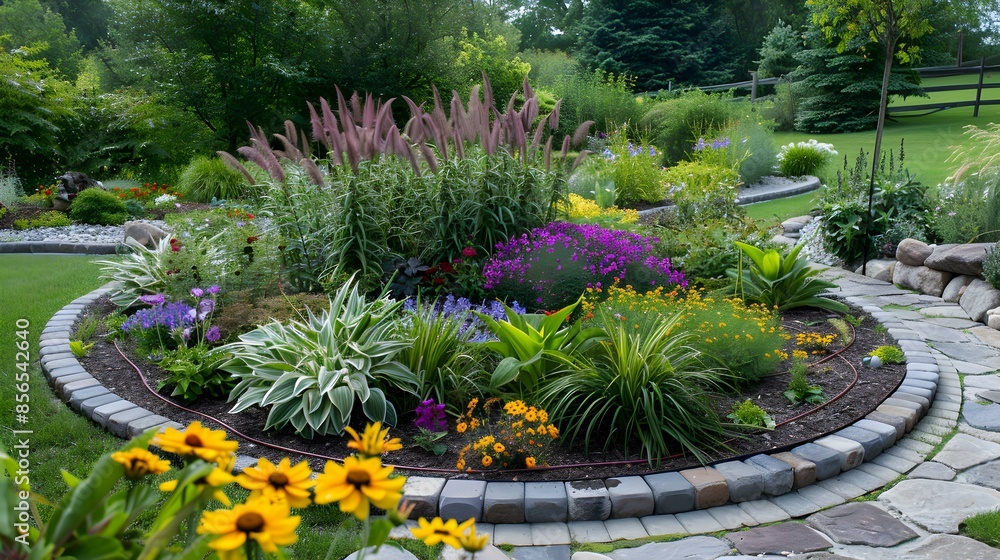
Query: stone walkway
[947,468]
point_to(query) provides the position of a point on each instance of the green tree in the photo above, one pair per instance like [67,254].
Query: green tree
[225,62]
[656,42]
[38,109]
[894,24]
[87,18]
[494,55]
[747,22]
[547,24]
[777,54]
[26,23]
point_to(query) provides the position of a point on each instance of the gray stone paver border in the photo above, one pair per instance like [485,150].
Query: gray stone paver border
[924,425]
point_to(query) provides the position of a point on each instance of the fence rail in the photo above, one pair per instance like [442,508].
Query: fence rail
[927,72]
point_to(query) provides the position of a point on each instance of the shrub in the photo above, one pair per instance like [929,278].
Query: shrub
[968,211]
[755,148]
[702,191]
[804,158]
[582,210]
[98,206]
[10,188]
[208,178]
[650,386]
[310,374]
[550,267]
[193,372]
[633,171]
[704,248]
[991,266]
[516,437]
[52,218]
[781,282]
[889,354]
[596,96]
[676,123]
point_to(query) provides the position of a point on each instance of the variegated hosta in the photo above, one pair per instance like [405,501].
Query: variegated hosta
[141,272]
[311,374]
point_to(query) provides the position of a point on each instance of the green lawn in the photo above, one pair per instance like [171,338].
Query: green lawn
[34,288]
[928,138]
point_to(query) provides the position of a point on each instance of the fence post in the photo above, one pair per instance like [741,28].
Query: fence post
[753,86]
[960,40]
[979,90]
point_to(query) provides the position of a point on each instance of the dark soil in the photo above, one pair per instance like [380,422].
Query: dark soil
[853,391]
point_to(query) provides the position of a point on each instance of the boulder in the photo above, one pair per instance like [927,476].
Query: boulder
[920,278]
[912,252]
[879,269]
[794,225]
[979,298]
[993,319]
[960,259]
[143,233]
[71,184]
[954,290]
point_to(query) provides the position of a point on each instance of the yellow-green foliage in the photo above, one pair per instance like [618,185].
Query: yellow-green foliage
[702,189]
[583,210]
[889,355]
[53,218]
[745,339]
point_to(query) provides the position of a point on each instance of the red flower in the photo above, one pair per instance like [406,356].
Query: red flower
[250,216]
[447,268]
[252,238]
[438,281]
[469,252]
[175,245]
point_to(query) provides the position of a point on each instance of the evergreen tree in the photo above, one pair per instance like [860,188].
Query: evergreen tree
[841,90]
[656,42]
[777,54]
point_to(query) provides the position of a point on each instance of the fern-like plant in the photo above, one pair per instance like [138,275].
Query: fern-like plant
[310,374]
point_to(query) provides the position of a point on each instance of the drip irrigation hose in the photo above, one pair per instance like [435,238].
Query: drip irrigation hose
[438,470]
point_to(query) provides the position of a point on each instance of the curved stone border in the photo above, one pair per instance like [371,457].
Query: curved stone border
[762,489]
[60,247]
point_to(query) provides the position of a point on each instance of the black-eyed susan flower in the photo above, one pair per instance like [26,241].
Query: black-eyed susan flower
[373,441]
[268,523]
[357,484]
[281,482]
[195,441]
[469,540]
[487,460]
[437,531]
[530,462]
[139,462]
[219,476]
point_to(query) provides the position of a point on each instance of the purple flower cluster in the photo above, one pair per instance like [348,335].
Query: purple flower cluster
[172,316]
[603,254]
[633,151]
[461,309]
[714,145]
[431,417]
[177,317]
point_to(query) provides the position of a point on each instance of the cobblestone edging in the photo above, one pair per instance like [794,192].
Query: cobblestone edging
[765,488]
[60,247]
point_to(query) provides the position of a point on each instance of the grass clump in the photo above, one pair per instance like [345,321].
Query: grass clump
[889,354]
[984,527]
[52,218]
[207,178]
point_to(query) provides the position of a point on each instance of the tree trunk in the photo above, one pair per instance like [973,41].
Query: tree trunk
[890,47]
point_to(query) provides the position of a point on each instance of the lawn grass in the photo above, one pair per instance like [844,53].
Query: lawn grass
[35,287]
[779,210]
[928,138]
[984,527]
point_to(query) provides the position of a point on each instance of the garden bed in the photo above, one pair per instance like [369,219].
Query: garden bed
[860,390]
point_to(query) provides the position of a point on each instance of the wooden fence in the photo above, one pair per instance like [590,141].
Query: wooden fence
[929,72]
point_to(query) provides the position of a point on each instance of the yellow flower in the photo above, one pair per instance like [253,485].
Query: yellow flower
[469,541]
[499,448]
[553,431]
[374,441]
[460,465]
[461,427]
[487,460]
[543,416]
[282,482]
[195,441]
[258,519]
[531,415]
[220,476]
[358,483]
[139,462]
[530,462]
[438,530]
[541,429]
